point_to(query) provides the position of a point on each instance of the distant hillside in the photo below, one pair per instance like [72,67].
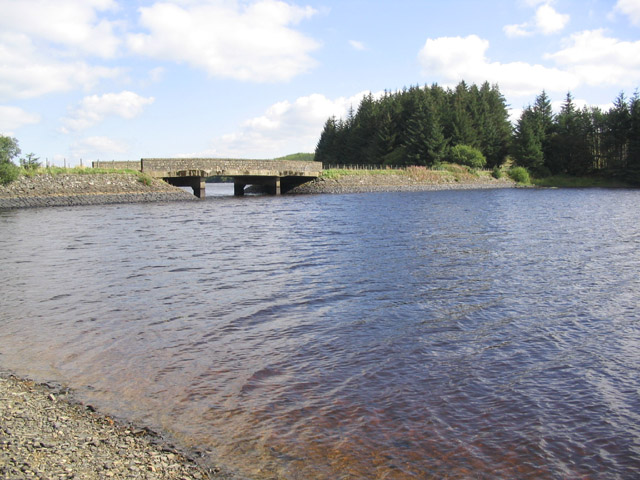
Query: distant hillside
[306,157]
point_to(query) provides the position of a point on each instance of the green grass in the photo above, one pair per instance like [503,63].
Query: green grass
[342,172]
[567,181]
[54,171]
[442,173]
[143,178]
[299,157]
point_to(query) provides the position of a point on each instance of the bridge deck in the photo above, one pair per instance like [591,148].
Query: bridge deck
[209,167]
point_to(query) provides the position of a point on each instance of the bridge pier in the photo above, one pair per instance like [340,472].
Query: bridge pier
[238,187]
[196,183]
[199,191]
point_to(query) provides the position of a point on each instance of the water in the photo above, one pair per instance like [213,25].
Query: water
[462,334]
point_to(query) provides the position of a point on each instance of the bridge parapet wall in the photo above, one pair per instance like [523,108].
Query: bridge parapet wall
[166,167]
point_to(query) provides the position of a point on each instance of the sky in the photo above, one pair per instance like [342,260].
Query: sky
[84,80]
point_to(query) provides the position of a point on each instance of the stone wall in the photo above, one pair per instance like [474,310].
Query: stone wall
[166,167]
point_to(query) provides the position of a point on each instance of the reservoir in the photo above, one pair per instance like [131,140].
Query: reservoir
[490,334]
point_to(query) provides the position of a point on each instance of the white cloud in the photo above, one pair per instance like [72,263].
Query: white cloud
[599,60]
[227,39]
[518,30]
[631,8]
[458,58]
[285,127]
[356,45]
[28,72]
[93,109]
[70,23]
[98,147]
[546,21]
[12,118]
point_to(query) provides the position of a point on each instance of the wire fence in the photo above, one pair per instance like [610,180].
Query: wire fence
[328,166]
[331,166]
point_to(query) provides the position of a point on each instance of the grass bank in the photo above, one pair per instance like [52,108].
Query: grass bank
[567,181]
[446,173]
[58,171]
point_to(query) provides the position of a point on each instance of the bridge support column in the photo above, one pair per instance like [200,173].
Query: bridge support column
[198,184]
[277,186]
[238,187]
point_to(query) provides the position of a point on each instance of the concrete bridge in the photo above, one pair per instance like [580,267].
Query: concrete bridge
[278,176]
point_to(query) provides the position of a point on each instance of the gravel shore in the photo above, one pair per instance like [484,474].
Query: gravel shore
[87,189]
[44,434]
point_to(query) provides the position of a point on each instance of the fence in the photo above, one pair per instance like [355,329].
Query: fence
[327,166]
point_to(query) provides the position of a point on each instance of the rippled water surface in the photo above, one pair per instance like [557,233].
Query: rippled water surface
[461,334]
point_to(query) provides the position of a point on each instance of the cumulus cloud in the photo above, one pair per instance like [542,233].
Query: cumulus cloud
[254,42]
[600,60]
[458,58]
[70,23]
[587,58]
[285,127]
[546,21]
[631,8]
[12,118]
[98,147]
[95,108]
[29,72]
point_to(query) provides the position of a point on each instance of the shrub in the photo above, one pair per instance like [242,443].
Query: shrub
[8,173]
[466,155]
[497,172]
[30,162]
[520,175]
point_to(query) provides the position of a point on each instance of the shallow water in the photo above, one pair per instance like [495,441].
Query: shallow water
[457,334]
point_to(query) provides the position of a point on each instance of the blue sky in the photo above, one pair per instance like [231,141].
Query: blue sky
[114,79]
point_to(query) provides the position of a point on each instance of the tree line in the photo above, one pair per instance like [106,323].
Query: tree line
[418,126]
[580,141]
[428,125]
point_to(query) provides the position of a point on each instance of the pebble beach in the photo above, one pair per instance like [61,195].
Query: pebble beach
[45,434]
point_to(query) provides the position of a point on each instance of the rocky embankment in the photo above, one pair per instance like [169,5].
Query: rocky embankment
[45,435]
[366,182]
[87,189]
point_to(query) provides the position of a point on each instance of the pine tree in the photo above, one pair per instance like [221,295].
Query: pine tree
[570,152]
[425,143]
[618,121]
[633,154]
[494,126]
[463,131]
[527,144]
[546,122]
[327,147]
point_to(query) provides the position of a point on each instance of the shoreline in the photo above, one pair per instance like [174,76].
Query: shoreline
[87,189]
[367,183]
[46,433]
[121,188]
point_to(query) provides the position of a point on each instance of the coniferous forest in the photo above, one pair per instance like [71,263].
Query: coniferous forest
[426,126]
